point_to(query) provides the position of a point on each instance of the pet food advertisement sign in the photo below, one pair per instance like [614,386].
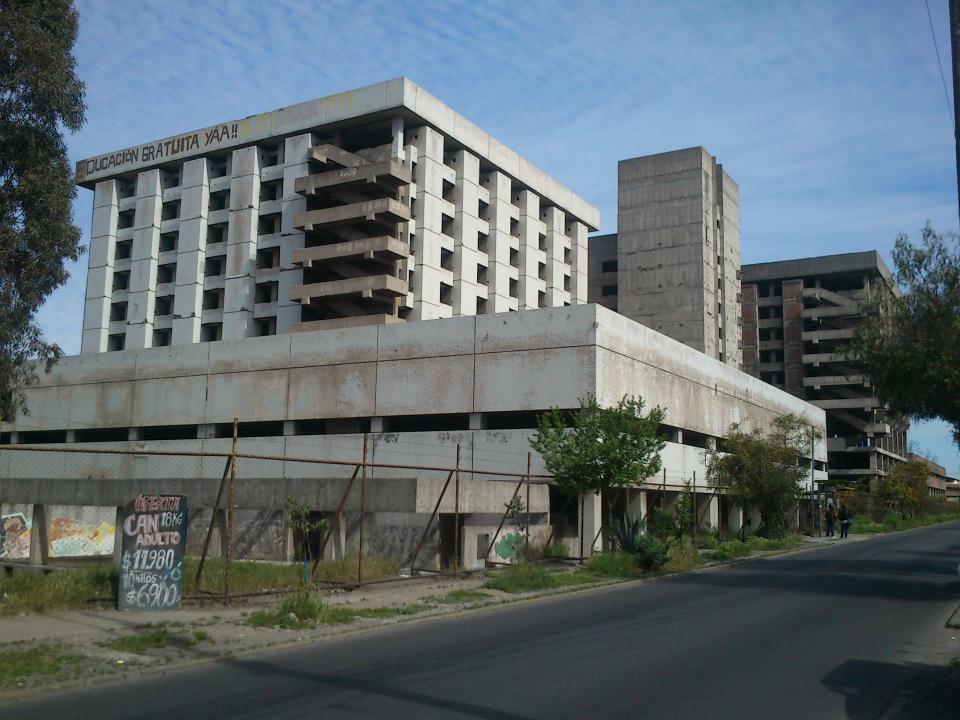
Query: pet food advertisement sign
[151,557]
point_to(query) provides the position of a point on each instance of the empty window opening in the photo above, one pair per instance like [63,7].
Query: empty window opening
[270,191]
[161,338]
[166,273]
[514,257]
[608,290]
[541,299]
[121,280]
[608,266]
[115,342]
[446,294]
[168,241]
[266,292]
[265,326]
[448,190]
[210,332]
[446,259]
[163,305]
[169,432]
[484,210]
[481,306]
[270,156]
[566,283]
[482,275]
[125,220]
[446,226]
[169,178]
[514,291]
[542,270]
[123,250]
[126,188]
[219,200]
[268,224]
[426,423]
[268,258]
[101,435]
[213,266]
[118,311]
[217,167]
[483,242]
[515,227]
[542,242]
[216,233]
[212,299]
[170,210]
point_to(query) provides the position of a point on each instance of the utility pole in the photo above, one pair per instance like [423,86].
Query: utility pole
[955,54]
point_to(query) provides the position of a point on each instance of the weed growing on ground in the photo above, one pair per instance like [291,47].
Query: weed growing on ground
[527,578]
[614,564]
[20,663]
[306,611]
[27,592]
[682,556]
[730,550]
[463,596]
[140,643]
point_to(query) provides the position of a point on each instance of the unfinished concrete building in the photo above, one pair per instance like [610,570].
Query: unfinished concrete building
[674,262]
[798,319]
[374,206]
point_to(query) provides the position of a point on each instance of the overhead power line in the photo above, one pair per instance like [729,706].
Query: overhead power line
[936,47]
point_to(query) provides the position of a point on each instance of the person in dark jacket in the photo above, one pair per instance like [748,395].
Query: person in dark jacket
[831,520]
[845,518]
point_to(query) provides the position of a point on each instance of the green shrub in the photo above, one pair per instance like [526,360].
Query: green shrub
[682,556]
[613,564]
[651,552]
[627,534]
[522,577]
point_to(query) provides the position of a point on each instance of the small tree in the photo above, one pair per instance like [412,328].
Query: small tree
[763,471]
[603,448]
[905,486]
[298,519]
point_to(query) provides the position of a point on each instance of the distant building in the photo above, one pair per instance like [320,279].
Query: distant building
[798,319]
[674,263]
[937,481]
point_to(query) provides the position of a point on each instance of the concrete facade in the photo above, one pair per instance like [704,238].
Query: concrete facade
[416,390]
[676,253]
[937,481]
[798,319]
[374,206]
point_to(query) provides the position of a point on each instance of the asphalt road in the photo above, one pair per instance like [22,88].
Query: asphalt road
[833,633]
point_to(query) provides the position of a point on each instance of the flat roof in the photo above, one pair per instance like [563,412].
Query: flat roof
[840,264]
[399,96]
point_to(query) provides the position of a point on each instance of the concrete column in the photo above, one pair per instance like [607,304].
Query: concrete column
[591,522]
[239,285]
[143,261]
[296,152]
[711,516]
[397,146]
[529,282]
[554,219]
[500,271]
[577,232]
[637,504]
[466,227]
[103,238]
[38,535]
[734,519]
[429,222]
[191,252]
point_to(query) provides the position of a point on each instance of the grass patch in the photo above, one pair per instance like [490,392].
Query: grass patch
[730,550]
[47,660]
[682,556]
[463,596]
[526,578]
[154,639]
[202,636]
[307,611]
[29,592]
[346,570]
[613,564]
[892,522]
[787,542]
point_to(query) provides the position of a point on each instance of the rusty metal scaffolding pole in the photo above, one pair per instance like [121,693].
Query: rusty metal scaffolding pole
[694,503]
[213,520]
[423,537]
[343,500]
[231,502]
[456,515]
[503,519]
[363,507]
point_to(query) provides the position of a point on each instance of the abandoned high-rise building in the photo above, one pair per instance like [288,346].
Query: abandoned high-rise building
[374,206]
[674,262]
[798,319]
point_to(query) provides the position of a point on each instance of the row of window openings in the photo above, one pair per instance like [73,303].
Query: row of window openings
[266,259]
[218,201]
[209,332]
[216,167]
[266,292]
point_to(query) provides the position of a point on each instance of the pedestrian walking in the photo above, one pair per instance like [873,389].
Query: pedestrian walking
[831,520]
[845,517]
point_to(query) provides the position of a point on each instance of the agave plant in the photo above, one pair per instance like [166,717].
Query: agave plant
[627,534]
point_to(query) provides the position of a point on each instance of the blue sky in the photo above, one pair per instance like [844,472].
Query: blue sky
[830,115]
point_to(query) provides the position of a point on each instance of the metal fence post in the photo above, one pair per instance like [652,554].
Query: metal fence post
[363,506]
[526,542]
[231,502]
[456,515]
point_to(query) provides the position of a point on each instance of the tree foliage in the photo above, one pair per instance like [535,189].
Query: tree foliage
[905,486]
[763,471]
[603,449]
[39,94]
[909,343]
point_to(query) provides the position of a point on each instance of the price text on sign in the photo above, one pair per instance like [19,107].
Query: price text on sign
[151,557]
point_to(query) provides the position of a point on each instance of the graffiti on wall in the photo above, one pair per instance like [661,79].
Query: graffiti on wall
[85,531]
[15,524]
[398,542]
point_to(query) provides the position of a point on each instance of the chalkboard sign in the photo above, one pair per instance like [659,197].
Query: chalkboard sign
[151,557]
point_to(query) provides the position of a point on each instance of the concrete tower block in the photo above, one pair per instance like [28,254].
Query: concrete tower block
[466,288]
[103,237]
[554,219]
[242,244]
[191,251]
[143,265]
[577,232]
[529,281]
[429,222]
[296,152]
[499,244]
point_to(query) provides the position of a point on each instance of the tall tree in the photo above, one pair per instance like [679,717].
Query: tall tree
[909,343]
[39,95]
[763,471]
[603,448]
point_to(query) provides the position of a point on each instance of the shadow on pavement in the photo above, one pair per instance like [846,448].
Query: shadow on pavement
[911,691]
